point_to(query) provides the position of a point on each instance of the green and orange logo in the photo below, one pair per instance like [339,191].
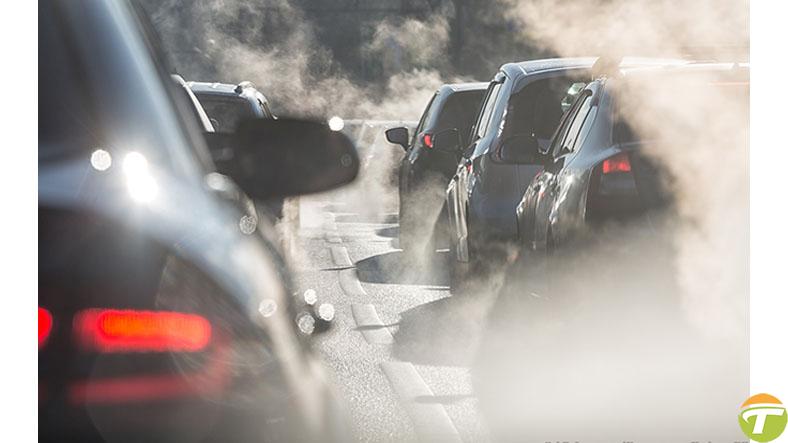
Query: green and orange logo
[762,417]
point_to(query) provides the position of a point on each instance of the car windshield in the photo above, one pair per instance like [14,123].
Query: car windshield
[537,108]
[226,111]
[459,112]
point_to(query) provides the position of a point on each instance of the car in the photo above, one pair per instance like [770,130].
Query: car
[229,104]
[425,171]
[194,105]
[595,168]
[522,106]
[648,163]
[262,223]
[161,315]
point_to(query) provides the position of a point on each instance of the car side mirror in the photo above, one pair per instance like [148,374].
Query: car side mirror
[284,157]
[447,140]
[519,149]
[398,136]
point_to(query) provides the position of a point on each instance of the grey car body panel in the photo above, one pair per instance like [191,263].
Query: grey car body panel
[487,197]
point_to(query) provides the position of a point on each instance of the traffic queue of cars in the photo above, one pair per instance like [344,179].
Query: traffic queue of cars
[165,311]
[550,154]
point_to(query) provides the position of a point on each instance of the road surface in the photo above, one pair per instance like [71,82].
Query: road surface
[401,345]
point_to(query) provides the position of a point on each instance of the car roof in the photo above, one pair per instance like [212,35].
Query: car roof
[543,65]
[688,67]
[461,87]
[247,89]
[215,87]
[515,70]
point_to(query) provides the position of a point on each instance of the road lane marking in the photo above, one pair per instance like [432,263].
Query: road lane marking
[365,316]
[348,281]
[340,256]
[430,420]
[370,325]
[333,237]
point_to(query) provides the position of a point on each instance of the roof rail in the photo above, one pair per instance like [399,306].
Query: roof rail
[243,85]
[605,66]
[717,53]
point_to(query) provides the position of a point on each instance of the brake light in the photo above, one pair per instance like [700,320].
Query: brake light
[107,330]
[427,138]
[617,163]
[44,326]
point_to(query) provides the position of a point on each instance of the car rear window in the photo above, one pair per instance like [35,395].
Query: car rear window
[226,111]
[460,112]
[537,108]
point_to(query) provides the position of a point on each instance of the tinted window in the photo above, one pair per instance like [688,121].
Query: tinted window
[460,111]
[571,95]
[575,129]
[226,111]
[194,110]
[487,111]
[536,109]
[569,134]
[425,117]
[566,122]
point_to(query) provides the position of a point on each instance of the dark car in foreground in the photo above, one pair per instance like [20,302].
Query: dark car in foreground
[161,316]
[426,169]
[596,169]
[522,107]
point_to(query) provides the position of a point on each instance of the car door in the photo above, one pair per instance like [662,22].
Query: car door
[462,180]
[568,212]
[548,185]
[533,109]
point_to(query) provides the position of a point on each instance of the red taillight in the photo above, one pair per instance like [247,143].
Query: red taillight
[107,330]
[617,163]
[44,326]
[427,140]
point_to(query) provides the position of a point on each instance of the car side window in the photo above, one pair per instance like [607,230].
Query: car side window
[424,117]
[536,108]
[487,110]
[566,121]
[574,124]
[585,128]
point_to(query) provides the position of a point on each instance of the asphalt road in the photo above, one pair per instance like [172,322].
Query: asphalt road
[401,346]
